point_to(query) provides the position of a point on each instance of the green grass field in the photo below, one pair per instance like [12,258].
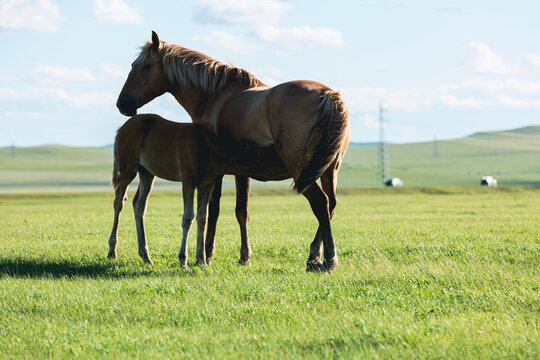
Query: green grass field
[513,157]
[437,272]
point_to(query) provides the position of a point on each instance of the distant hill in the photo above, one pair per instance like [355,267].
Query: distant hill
[526,138]
[528,130]
[363,143]
[512,156]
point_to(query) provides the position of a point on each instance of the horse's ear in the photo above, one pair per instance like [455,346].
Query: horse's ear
[155,41]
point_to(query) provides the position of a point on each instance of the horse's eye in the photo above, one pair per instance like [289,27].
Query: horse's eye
[147,66]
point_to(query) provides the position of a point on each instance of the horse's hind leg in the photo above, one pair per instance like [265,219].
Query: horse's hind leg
[314,262]
[319,205]
[146,182]
[242,215]
[203,197]
[119,201]
[329,184]
[213,214]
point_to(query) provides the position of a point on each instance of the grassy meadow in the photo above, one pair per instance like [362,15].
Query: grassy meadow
[437,272]
[441,268]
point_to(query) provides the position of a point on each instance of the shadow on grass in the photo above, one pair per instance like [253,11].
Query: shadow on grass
[43,269]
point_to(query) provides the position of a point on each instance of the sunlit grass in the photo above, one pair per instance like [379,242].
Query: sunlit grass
[428,273]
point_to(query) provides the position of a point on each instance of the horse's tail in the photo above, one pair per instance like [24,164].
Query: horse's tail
[116,171]
[331,132]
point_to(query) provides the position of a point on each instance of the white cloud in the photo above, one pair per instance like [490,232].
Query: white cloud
[26,115]
[482,59]
[474,94]
[112,71]
[61,74]
[369,98]
[270,75]
[294,37]
[370,122]
[227,41]
[262,16]
[453,100]
[533,60]
[65,74]
[241,11]
[8,93]
[517,103]
[37,15]
[116,12]
[490,90]
[82,100]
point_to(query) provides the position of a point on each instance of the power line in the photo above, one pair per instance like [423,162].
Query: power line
[384,165]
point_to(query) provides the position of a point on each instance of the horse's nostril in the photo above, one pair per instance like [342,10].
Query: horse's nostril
[127,105]
[122,102]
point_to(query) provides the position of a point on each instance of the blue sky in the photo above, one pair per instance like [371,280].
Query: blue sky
[444,68]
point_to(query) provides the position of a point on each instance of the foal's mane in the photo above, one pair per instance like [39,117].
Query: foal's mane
[189,68]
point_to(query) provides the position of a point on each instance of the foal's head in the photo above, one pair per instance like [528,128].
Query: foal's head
[145,81]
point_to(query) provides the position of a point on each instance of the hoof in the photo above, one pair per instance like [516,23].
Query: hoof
[244,262]
[183,262]
[200,262]
[329,265]
[313,266]
[111,255]
[146,259]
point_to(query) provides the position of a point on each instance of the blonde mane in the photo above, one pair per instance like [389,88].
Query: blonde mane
[189,68]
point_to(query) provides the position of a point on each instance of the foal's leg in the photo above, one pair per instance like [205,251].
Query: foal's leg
[203,197]
[146,183]
[319,205]
[213,214]
[187,219]
[119,201]
[242,215]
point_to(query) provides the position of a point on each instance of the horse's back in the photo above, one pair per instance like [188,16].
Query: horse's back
[280,119]
[244,118]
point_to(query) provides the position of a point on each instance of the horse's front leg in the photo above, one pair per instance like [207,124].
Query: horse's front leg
[213,214]
[187,219]
[140,200]
[203,197]
[242,215]
[119,201]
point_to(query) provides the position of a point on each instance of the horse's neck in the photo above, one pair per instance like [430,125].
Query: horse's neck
[199,105]
[190,99]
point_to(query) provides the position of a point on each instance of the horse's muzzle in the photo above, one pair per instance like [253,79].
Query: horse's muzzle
[127,105]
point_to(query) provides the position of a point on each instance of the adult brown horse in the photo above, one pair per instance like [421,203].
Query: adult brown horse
[298,129]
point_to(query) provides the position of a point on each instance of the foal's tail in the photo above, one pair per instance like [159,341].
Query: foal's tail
[332,129]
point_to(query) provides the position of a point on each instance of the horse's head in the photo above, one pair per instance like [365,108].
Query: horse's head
[145,81]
